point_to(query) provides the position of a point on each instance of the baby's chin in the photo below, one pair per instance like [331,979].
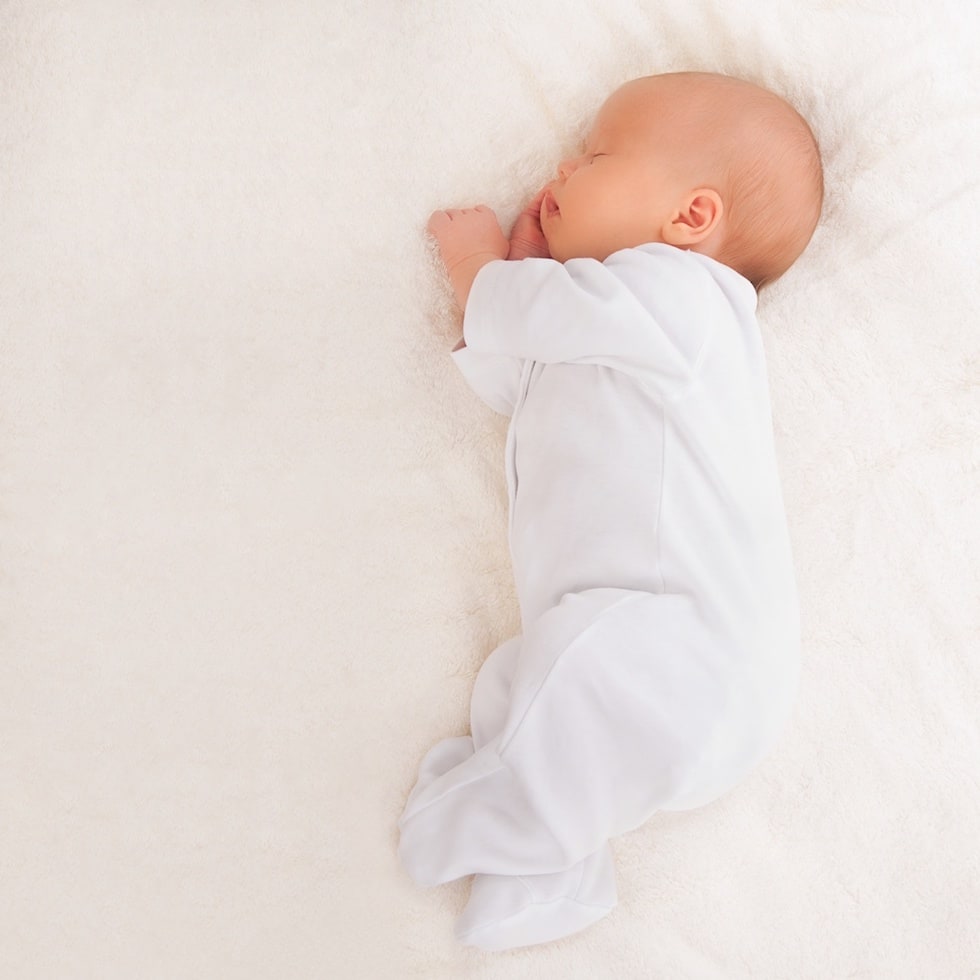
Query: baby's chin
[558,253]
[562,249]
[552,244]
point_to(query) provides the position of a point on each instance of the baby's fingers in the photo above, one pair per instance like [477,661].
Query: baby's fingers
[534,206]
[482,208]
[441,219]
[438,220]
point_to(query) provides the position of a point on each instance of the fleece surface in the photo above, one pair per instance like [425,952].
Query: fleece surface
[252,521]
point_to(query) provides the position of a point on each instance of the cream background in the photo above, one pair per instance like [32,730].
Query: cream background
[252,522]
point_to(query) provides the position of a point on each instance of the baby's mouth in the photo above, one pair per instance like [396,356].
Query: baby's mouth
[550,206]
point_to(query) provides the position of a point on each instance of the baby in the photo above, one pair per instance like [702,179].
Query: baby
[659,653]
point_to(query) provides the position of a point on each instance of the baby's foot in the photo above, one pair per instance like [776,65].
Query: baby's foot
[507,911]
[442,757]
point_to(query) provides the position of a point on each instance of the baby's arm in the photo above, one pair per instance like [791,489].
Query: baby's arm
[468,240]
[547,311]
[611,313]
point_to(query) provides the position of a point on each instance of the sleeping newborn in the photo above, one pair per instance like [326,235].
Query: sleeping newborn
[658,659]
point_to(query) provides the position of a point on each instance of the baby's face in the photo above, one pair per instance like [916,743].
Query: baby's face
[617,193]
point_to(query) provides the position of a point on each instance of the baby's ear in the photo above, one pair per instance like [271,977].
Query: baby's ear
[697,217]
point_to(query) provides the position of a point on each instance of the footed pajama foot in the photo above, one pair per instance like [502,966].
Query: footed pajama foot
[506,911]
[442,757]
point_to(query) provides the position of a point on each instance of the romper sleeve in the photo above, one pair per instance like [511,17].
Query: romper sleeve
[645,311]
[495,378]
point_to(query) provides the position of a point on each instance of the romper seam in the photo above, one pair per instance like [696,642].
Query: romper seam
[660,503]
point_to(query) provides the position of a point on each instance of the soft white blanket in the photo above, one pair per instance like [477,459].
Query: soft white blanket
[252,521]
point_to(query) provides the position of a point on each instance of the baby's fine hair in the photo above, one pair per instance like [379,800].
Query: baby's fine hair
[774,185]
[763,157]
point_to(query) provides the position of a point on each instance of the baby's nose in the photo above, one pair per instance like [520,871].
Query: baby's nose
[569,166]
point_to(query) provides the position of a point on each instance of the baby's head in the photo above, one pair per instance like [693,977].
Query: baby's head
[700,161]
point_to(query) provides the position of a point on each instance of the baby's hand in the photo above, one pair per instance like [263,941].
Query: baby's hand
[463,233]
[526,237]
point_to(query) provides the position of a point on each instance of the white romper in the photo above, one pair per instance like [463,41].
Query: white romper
[659,655]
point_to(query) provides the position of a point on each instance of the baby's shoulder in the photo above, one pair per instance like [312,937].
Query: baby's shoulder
[668,270]
[689,297]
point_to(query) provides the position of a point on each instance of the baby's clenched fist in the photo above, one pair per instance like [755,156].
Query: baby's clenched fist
[465,232]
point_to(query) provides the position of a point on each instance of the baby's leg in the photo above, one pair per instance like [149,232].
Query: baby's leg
[490,700]
[488,711]
[506,911]
[615,697]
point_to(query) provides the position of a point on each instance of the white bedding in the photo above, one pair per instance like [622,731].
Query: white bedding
[252,521]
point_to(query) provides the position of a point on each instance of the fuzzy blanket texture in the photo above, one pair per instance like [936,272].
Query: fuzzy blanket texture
[253,522]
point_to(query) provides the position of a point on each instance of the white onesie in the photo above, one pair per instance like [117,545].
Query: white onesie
[659,653]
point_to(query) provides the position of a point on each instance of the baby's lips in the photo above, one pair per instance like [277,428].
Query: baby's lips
[548,204]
